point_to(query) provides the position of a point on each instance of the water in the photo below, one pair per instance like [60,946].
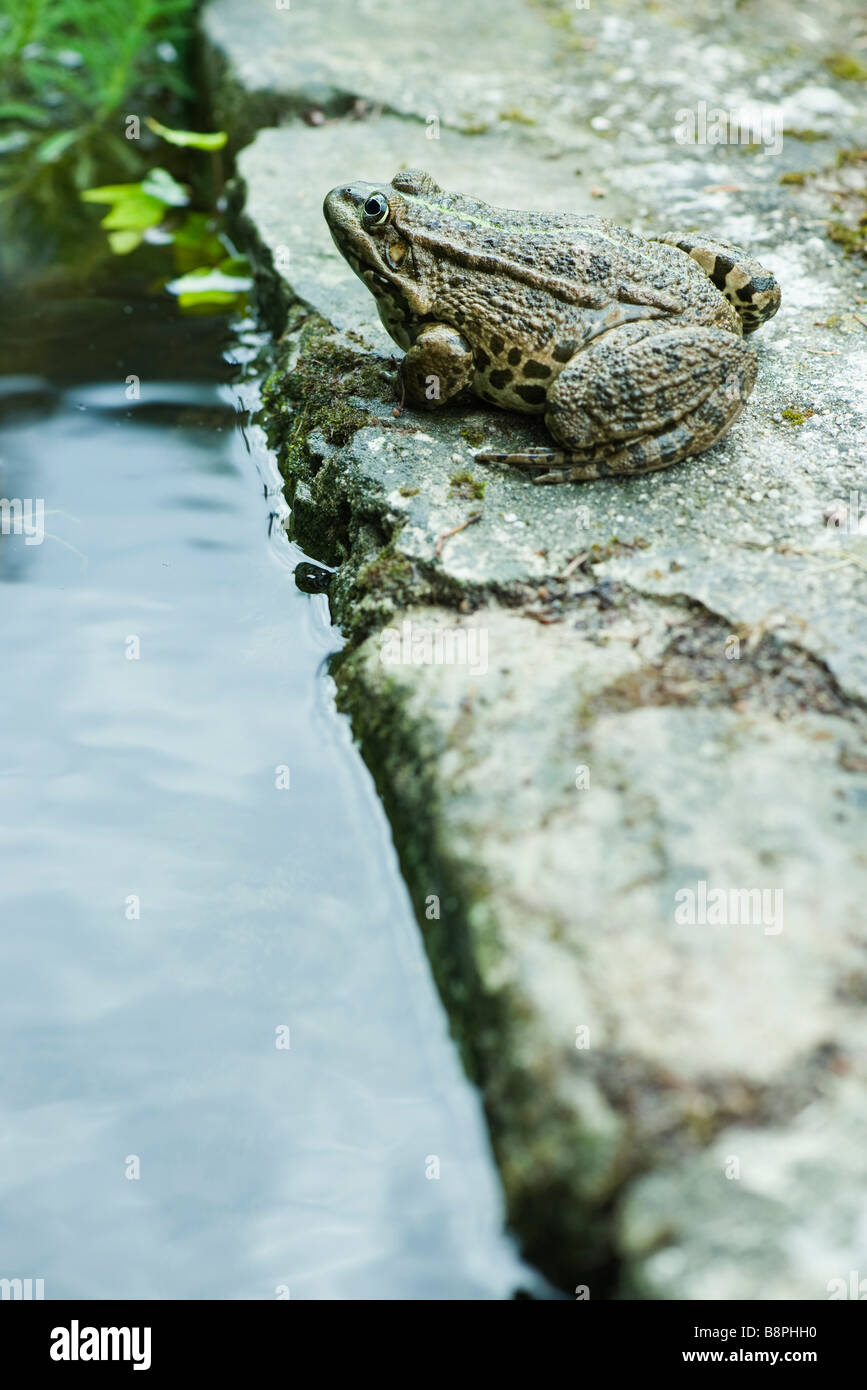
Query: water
[170,912]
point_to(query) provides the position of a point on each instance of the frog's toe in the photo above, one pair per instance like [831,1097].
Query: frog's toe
[560,475]
[526,458]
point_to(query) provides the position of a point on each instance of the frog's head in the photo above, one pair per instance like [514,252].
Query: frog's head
[372,227]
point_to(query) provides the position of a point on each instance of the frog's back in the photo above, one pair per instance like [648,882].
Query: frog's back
[533,267]
[583,252]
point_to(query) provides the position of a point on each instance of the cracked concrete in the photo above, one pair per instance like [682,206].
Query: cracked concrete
[665,678]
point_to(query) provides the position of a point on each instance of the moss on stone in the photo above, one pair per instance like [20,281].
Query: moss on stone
[852,239]
[473,436]
[324,391]
[852,154]
[463,484]
[514,113]
[796,417]
[388,574]
[845,66]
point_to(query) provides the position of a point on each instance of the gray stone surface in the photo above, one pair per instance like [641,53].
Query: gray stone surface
[693,640]
[740,1194]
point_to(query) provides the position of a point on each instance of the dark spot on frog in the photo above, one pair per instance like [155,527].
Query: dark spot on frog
[533,395]
[563,351]
[500,378]
[497,345]
[540,369]
[514,356]
[598,269]
[483,361]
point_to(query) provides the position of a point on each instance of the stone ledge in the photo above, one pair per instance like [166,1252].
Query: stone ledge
[609,612]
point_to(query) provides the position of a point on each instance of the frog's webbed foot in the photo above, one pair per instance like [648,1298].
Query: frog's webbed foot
[747,286]
[437,366]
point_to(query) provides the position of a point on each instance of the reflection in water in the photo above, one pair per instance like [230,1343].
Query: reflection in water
[173,910]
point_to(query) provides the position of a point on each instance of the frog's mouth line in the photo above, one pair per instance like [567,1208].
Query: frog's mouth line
[381,279]
[377,277]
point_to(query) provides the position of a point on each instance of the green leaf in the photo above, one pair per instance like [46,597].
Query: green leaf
[108,192]
[23,111]
[132,209]
[51,149]
[160,184]
[203,298]
[214,140]
[122,243]
[135,212]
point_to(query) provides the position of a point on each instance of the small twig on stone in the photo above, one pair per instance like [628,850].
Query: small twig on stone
[863,322]
[575,563]
[546,619]
[470,521]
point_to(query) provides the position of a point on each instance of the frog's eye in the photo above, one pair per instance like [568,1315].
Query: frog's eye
[375,212]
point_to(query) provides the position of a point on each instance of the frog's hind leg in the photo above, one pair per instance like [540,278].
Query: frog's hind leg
[747,286]
[639,399]
[692,434]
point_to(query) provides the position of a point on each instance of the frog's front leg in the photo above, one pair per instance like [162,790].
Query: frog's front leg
[641,398]
[746,284]
[437,366]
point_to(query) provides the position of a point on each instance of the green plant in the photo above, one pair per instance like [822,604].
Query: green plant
[210,272]
[71,72]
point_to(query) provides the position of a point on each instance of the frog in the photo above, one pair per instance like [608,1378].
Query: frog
[631,348]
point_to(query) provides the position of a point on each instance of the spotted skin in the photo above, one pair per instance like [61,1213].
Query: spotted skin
[631,350]
[749,288]
[636,379]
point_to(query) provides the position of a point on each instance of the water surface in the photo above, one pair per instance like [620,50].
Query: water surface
[170,911]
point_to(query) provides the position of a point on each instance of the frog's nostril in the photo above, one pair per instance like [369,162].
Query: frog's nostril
[340,196]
